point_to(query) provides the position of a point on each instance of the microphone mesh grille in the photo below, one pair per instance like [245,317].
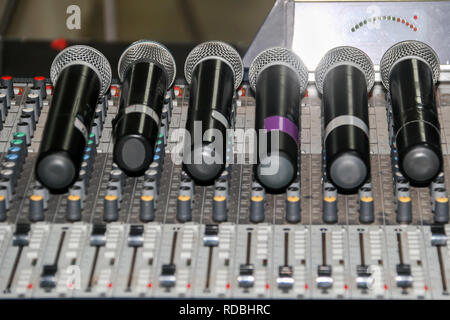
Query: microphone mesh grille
[278,55]
[215,49]
[147,51]
[345,55]
[83,55]
[404,50]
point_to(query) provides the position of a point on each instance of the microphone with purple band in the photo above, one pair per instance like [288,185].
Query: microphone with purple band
[344,76]
[279,79]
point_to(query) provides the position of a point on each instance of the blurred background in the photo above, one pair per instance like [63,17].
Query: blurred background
[234,21]
[34,30]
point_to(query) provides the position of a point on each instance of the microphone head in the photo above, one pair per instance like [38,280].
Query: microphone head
[276,56]
[148,51]
[86,55]
[410,49]
[215,50]
[345,55]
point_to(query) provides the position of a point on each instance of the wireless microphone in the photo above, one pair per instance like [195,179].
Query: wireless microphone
[279,79]
[146,70]
[80,75]
[409,71]
[213,71]
[344,76]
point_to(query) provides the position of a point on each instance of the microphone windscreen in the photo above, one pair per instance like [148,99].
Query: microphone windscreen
[274,56]
[215,50]
[147,51]
[86,55]
[345,56]
[407,50]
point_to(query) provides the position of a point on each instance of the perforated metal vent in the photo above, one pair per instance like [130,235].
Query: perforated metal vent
[345,55]
[278,55]
[147,51]
[215,49]
[83,55]
[406,50]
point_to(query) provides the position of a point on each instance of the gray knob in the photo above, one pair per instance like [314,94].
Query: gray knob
[366,210]
[36,208]
[39,82]
[147,211]
[293,209]
[37,91]
[111,208]
[7,183]
[220,208]
[441,210]
[33,102]
[4,195]
[184,208]
[7,81]
[404,214]
[330,210]
[119,175]
[2,208]
[257,209]
[99,112]
[24,127]
[3,107]
[9,174]
[73,208]
[4,91]
[29,112]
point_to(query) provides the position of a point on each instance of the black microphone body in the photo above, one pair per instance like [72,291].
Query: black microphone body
[67,127]
[137,123]
[415,119]
[346,122]
[277,112]
[344,76]
[213,71]
[211,95]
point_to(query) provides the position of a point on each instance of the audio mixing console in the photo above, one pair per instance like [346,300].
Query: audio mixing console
[101,240]
[97,201]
